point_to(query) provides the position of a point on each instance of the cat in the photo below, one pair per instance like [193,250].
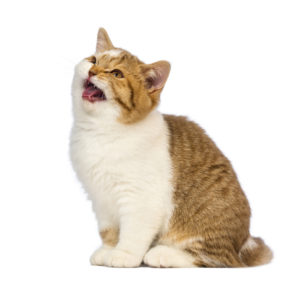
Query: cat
[163,193]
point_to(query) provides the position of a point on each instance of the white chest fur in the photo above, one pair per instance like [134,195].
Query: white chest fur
[125,163]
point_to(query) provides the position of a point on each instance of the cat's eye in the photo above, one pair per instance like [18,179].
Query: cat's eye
[117,73]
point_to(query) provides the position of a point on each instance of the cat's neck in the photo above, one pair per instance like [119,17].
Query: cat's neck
[151,124]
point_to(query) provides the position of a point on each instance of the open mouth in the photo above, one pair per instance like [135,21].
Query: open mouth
[91,93]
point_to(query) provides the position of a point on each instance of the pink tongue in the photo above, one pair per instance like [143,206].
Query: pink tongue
[91,91]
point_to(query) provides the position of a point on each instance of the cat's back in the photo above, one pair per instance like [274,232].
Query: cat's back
[200,169]
[189,144]
[207,195]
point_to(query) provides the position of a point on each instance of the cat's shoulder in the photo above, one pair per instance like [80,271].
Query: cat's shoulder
[178,124]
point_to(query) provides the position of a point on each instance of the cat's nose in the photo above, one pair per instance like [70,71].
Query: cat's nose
[93,71]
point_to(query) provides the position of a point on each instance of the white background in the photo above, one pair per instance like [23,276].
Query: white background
[235,70]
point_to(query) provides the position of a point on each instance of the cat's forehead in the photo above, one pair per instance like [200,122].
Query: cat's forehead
[115,57]
[111,53]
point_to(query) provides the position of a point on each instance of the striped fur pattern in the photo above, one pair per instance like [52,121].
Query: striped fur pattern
[162,192]
[210,204]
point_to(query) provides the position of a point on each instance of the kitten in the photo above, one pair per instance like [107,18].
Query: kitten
[162,192]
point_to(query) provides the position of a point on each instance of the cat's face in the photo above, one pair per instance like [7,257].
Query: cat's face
[113,81]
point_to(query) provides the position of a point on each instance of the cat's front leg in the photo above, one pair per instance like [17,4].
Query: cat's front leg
[138,226]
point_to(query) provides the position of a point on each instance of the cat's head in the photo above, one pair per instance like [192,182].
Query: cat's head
[115,82]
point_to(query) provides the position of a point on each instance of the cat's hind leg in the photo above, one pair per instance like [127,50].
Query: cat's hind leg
[198,253]
[218,254]
[167,256]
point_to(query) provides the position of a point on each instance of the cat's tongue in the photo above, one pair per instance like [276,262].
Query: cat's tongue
[91,93]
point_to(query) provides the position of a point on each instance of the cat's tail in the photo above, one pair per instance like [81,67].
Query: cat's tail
[255,252]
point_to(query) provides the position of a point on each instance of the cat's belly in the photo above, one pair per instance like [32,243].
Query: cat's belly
[116,172]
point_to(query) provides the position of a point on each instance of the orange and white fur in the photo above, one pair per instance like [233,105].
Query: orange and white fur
[134,164]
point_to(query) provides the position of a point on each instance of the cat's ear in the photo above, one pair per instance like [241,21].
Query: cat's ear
[103,41]
[156,75]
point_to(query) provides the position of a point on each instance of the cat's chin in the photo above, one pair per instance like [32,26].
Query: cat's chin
[106,111]
[93,107]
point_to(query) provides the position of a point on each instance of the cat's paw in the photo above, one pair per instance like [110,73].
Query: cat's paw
[119,258]
[156,257]
[164,256]
[98,257]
